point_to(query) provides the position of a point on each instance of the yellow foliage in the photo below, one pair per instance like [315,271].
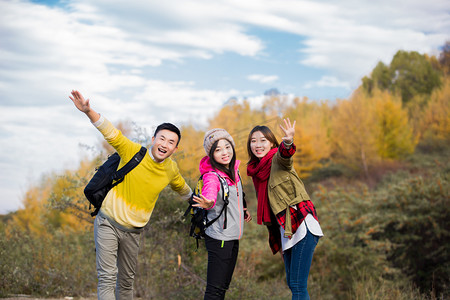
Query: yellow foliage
[312,127]
[29,219]
[435,121]
[40,216]
[67,193]
[369,128]
[311,138]
[354,131]
[190,151]
[239,119]
[394,135]
[358,132]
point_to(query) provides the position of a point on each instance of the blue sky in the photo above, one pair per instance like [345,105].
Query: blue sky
[180,61]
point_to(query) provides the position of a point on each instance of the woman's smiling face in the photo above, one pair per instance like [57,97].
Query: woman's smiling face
[223,152]
[259,145]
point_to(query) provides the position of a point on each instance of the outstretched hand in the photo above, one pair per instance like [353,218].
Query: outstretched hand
[83,106]
[79,101]
[202,202]
[289,131]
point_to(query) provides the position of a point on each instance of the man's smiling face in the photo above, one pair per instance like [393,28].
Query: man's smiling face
[164,144]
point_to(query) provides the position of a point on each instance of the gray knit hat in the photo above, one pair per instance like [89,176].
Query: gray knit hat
[214,135]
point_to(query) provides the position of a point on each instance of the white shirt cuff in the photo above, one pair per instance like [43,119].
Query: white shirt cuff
[99,121]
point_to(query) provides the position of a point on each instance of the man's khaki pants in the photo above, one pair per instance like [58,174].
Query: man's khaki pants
[116,254]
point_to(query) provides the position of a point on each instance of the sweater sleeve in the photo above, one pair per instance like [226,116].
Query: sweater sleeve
[106,128]
[123,145]
[287,153]
[185,192]
[179,185]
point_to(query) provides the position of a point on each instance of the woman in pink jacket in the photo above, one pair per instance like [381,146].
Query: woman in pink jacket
[222,237]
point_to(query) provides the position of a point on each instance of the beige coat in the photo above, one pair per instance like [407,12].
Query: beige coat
[285,188]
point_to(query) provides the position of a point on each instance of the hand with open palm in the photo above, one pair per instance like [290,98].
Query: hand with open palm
[289,132]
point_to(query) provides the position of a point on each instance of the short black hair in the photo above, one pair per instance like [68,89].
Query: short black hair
[170,127]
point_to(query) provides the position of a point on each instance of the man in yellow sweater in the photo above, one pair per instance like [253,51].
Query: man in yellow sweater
[128,206]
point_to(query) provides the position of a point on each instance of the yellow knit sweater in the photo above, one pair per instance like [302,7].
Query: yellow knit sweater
[131,202]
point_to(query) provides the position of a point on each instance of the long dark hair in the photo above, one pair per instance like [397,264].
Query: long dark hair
[216,166]
[268,134]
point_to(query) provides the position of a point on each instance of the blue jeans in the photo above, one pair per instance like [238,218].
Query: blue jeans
[297,261]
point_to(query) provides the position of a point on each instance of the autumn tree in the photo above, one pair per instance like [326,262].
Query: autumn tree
[435,121]
[368,129]
[354,132]
[394,135]
[414,74]
[408,74]
[381,78]
[29,219]
[67,194]
[190,151]
[312,134]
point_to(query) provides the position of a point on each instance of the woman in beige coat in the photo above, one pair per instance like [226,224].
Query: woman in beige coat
[283,203]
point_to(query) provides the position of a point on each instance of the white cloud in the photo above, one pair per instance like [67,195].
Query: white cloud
[348,38]
[327,81]
[36,140]
[110,50]
[85,44]
[263,78]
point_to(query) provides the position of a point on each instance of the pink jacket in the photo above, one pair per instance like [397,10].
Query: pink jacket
[211,184]
[235,210]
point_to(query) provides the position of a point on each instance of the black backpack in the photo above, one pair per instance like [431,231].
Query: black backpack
[107,176]
[199,216]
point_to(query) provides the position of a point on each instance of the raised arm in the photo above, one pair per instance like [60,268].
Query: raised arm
[289,131]
[83,106]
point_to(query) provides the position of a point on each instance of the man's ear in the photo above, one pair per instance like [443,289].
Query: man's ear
[175,150]
[153,140]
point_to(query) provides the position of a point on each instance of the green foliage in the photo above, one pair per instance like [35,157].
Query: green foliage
[381,78]
[61,265]
[330,170]
[408,74]
[346,251]
[384,238]
[375,242]
[384,241]
[415,221]
[414,74]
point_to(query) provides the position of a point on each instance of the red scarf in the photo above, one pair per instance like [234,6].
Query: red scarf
[260,172]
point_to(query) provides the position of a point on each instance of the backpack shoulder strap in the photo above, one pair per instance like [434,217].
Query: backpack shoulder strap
[225,188]
[225,196]
[130,165]
[196,192]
